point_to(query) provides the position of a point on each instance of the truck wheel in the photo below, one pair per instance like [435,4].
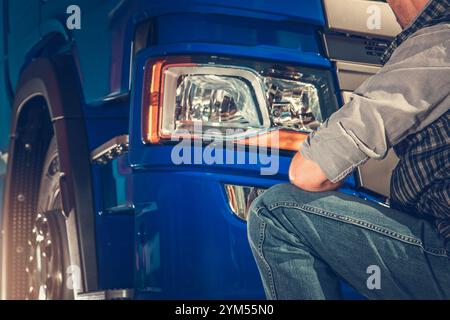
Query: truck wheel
[47,105]
[48,249]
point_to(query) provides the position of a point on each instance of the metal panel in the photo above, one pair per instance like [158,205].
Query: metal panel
[352,75]
[376,175]
[353,48]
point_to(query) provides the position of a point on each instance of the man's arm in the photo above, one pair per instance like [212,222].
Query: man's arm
[405,96]
[307,175]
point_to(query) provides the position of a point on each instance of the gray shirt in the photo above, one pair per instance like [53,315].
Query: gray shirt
[410,92]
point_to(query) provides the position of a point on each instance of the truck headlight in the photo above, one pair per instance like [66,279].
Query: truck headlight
[252,99]
[218,97]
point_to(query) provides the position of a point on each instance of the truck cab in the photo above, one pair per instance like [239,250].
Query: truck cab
[134,135]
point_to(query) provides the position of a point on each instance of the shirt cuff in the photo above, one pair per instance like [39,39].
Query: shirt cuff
[337,155]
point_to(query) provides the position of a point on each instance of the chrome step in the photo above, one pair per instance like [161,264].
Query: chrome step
[110,150]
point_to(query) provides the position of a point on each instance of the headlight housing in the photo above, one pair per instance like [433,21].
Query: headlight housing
[246,98]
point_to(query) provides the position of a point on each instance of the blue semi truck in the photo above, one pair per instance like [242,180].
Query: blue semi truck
[95,97]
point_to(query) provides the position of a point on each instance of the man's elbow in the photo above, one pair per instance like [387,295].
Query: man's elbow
[314,185]
[300,181]
[308,176]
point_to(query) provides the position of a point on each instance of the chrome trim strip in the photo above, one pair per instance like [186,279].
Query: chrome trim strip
[3,163]
[123,209]
[116,294]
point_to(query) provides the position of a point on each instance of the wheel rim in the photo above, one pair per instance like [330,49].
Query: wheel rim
[45,268]
[48,258]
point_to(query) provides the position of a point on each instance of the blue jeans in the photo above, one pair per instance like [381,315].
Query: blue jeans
[304,243]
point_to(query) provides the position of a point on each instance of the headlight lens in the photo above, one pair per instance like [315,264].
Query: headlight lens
[293,104]
[215,100]
[217,97]
[252,99]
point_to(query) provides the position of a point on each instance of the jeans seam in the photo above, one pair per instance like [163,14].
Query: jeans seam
[356,222]
[259,250]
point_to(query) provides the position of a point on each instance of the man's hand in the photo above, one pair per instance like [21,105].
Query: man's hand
[307,175]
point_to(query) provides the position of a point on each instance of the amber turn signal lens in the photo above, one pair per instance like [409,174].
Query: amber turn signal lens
[152,100]
[278,139]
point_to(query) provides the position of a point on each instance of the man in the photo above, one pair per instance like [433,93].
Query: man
[305,236]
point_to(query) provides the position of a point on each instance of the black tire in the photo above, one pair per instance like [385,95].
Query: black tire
[48,248]
[46,104]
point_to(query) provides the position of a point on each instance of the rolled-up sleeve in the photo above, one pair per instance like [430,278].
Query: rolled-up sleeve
[406,95]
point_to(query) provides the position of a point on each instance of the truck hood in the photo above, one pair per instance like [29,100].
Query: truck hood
[305,11]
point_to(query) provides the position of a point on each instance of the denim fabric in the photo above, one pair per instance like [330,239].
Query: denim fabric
[304,243]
